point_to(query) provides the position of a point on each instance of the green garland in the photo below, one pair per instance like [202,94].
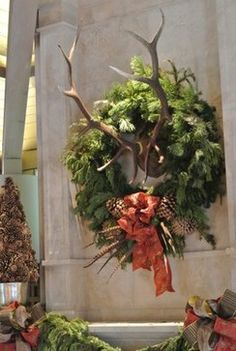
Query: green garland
[190,142]
[60,334]
[177,343]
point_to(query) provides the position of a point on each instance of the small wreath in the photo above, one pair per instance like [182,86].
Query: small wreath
[172,134]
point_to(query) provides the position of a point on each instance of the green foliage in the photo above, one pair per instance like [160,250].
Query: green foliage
[82,157]
[176,343]
[60,334]
[189,141]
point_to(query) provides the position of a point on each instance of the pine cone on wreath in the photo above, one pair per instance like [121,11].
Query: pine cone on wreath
[183,226]
[167,207]
[116,206]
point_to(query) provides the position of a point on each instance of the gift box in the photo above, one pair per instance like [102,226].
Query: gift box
[8,347]
[31,336]
[226,328]
[225,344]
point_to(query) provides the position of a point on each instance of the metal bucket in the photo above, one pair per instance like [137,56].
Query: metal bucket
[13,292]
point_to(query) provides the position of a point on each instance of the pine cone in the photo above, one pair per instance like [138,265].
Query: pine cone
[1,246]
[116,206]
[4,262]
[183,226]
[167,207]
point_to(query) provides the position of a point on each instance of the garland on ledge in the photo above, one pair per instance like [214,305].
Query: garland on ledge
[171,132]
[209,325]
[58,333]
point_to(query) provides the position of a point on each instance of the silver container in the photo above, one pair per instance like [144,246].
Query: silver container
[10,292]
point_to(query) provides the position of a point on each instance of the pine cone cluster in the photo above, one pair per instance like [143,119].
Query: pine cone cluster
[116,206]
[17,259]
[167,211]
[167,208]
[183,226]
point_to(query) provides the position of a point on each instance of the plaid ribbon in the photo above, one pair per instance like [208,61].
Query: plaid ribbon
[206,334]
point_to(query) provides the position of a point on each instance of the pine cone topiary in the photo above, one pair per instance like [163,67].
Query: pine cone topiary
[167,207]
[116,206]
[183,226]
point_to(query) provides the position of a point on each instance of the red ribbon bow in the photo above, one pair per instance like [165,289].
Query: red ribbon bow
[148,252]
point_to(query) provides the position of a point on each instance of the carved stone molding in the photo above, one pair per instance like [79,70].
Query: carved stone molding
[55,11]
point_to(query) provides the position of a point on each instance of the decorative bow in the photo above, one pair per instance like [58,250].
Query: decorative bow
[148,252]
[210,324]
[15,331]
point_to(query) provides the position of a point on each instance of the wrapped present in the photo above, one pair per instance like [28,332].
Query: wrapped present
[226,327]
[8,347]
[225,344]
[31,336]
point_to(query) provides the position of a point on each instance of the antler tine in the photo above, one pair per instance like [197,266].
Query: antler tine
[68,64]
[158,34]
[156,37]
[130,76]
[68,58]
[72,92]
[72,50]
[152,47]
[117,155]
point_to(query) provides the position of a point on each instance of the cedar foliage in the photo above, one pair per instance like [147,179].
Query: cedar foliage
[60,334]
[190,142]
[82,157]
[176,343]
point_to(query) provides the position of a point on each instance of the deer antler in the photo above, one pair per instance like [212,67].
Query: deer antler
[154,83]
[133,147]
[136,146]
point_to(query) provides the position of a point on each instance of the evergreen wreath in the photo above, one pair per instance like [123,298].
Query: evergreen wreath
[189,179]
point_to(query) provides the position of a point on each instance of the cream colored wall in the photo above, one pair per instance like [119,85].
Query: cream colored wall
[190,39]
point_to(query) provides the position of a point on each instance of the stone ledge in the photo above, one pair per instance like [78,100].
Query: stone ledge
[132,336]
[187,255]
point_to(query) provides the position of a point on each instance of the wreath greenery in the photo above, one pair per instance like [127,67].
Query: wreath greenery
[190,142]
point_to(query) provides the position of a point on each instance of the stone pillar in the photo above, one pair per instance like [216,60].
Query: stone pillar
[226,10]
[57,25]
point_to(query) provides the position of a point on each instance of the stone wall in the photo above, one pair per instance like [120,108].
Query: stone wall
[191,39]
